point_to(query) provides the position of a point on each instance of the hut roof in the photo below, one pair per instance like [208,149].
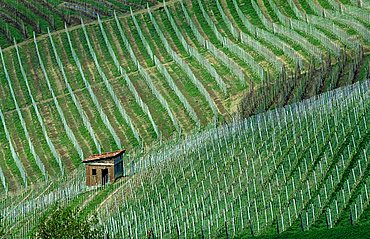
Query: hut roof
[107,155]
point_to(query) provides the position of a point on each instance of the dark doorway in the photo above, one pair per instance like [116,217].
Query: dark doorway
[104,176]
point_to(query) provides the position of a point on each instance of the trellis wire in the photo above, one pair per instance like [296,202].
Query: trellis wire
[32,206]
[68,130]
[338,16]
[76,102]
[150,83]
[23,123]
[39,117]
[194,53]
[159,96]
[228,62]
[152,212]
[12,150]
[357,12]
[163,71]
[146,45]
[306,27]
[3,181]
[250,42]
[131,87]
[105,80]
[276,28]
[184,66]
[234,48]
[102,115]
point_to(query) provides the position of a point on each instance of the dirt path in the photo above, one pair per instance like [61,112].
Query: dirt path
[88,199]
[111,194]
[264,10]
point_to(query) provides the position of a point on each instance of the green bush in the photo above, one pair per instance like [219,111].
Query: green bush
[65,222]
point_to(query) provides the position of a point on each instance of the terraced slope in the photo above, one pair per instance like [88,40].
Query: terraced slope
[295,168]
[20,18]
[154,75]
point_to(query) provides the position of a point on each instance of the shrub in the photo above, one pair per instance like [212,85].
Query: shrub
[65,222]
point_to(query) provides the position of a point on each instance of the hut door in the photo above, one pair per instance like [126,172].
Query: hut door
[104,176]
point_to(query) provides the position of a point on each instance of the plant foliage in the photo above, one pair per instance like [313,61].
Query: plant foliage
[65,222]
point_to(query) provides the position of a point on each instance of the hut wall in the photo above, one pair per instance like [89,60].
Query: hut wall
[118,167]
[97,179]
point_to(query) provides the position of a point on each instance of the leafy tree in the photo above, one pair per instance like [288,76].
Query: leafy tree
[65,222]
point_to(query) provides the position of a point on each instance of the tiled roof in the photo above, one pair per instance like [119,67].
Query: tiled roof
[95,157]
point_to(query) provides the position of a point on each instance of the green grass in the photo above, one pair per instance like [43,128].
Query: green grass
[270,12]
[306,7]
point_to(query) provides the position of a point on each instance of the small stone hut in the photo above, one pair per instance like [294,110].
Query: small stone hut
[104,168]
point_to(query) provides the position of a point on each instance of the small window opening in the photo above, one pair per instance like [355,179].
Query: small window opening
[94,172]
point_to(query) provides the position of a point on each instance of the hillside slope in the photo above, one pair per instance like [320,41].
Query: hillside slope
[19,19]
[295,168]
[135,80]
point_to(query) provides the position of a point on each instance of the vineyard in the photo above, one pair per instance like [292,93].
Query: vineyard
[294,168]
[291,167]
[19,19]
[172,83]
